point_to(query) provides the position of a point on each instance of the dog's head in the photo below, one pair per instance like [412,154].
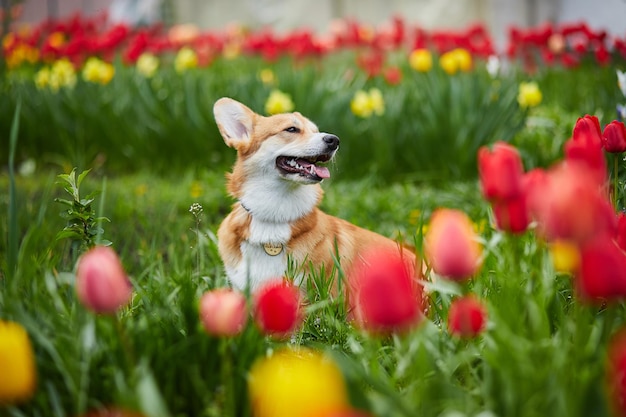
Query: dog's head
[287,145]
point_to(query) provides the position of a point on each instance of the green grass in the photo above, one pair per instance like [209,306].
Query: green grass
[542,354]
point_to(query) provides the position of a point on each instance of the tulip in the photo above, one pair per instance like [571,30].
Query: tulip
[223,312]
[147,64]
[17,361]
[512,215]
[586,150]
[585,147]
[451,245]
[565,256]
[294,382]
[98,71]
[278,102]
[529,95]
[277,308]
[500,171]
[101,283]
[602,274]
[186,58]
[588,127]
[569,205]
[365,104]
[393,75]
[467,317]
[614,137]
[421,60]
[383,291]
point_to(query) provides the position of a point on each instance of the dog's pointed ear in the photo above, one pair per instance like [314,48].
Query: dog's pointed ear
[234,120]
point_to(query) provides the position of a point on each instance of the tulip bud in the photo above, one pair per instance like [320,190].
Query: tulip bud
[467,317]
[451,245]
[277,308]
[223,312]
[101,283]
[501,171]
[614,137]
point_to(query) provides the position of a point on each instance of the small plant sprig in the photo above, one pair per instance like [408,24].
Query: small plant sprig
[83,227]
[196,211]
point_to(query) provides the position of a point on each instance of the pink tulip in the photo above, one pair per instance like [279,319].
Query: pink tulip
[223,312]
[101,283]
[451,245]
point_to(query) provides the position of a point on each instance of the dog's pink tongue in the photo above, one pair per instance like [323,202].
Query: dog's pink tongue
[322,172]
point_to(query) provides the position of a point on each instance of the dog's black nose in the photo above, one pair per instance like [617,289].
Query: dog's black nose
[332,141]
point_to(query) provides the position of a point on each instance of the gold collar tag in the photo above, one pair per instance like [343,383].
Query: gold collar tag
[273,249]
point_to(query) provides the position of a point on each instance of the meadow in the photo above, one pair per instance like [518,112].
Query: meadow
[420,131]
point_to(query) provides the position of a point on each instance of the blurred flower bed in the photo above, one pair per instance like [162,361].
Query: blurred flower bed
[422,101]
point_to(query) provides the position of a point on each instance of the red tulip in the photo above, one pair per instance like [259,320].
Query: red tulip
[223,312]
[588,126]
[277,308]
[585,147]
[569,205]
[101,283]
[500,171]
[393,75]
[512,215]
[614,137]
[467,317]
[383,292]
[451,245]
[602,274]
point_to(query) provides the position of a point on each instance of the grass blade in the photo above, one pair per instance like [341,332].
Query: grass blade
[12,243]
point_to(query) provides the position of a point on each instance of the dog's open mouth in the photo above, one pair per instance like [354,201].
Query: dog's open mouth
[307,167]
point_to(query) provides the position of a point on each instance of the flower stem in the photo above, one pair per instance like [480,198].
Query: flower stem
[615,176]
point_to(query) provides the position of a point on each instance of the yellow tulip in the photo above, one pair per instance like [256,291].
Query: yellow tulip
[364,104]
[42,78]
[565,256]
[62,74]
[421,60]
[267,76]
[186,58]
[529,95]
[456,60]
[147,64]
[17,362]
[98,71]
[293,383]
[278,102]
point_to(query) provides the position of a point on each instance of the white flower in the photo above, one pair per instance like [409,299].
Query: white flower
[493,65]
[621,81]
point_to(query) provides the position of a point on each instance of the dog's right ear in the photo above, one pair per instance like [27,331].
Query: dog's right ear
[234,120]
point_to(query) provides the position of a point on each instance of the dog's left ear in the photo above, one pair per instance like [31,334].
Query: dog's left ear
[234,120]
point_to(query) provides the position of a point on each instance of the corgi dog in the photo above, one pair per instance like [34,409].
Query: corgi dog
[281,161]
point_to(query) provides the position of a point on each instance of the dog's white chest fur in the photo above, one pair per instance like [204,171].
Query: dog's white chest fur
[257,265]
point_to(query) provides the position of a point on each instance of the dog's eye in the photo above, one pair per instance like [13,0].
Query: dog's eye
[292,129]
